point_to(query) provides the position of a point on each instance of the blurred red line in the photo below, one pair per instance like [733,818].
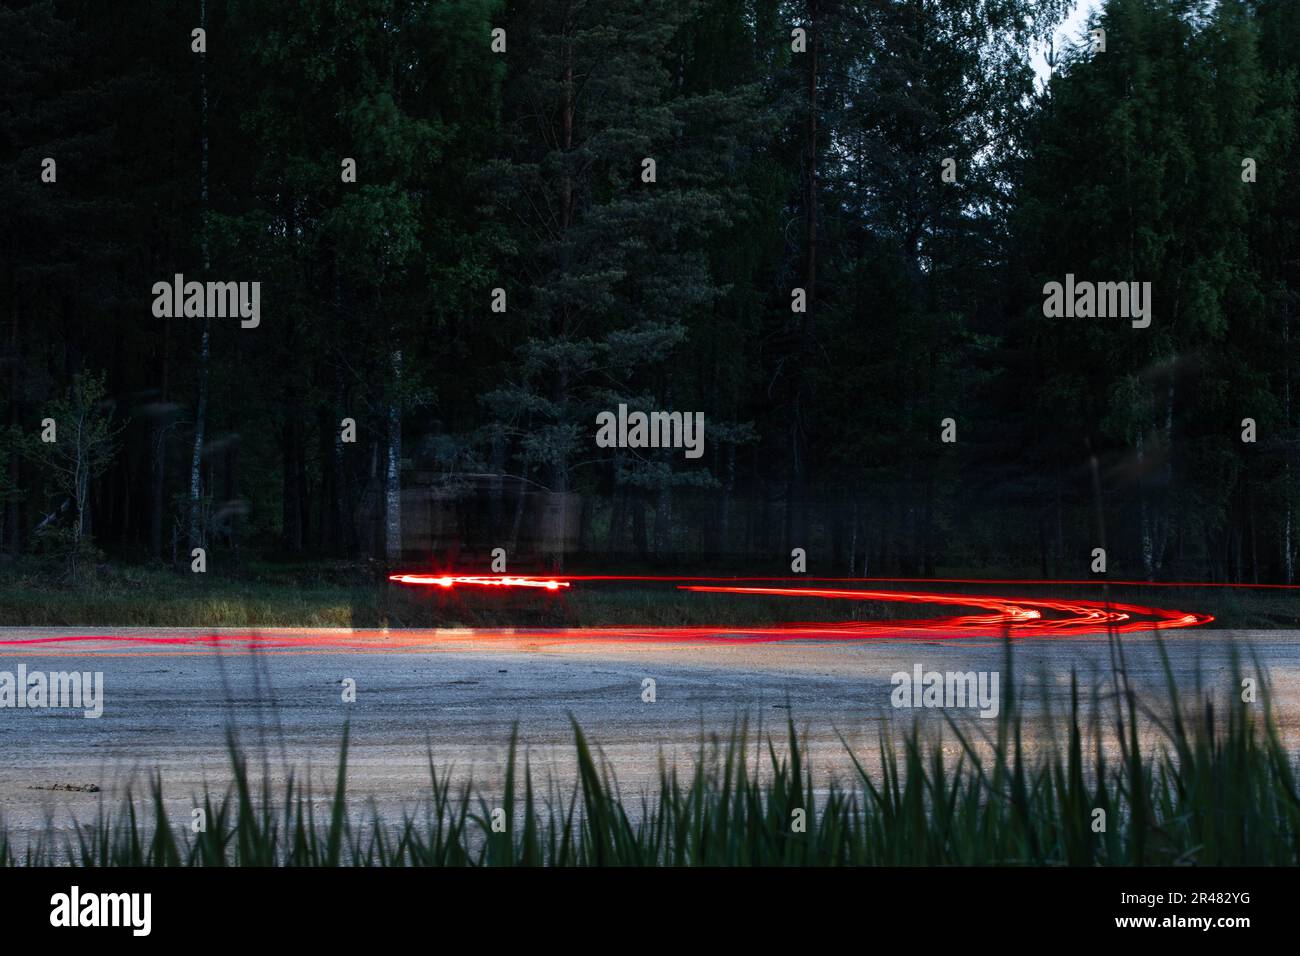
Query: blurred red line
[1016,617]
[478,580]
[1047,582]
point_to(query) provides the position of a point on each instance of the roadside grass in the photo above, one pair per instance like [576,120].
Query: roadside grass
[344,594]
[1214,786]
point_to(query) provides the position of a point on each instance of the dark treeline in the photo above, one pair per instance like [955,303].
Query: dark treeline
[800,269]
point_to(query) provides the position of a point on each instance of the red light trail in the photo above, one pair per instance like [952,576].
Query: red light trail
[994,616]
[478,580]
[1018,616]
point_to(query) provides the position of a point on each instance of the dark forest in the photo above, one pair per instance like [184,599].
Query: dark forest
[826,225]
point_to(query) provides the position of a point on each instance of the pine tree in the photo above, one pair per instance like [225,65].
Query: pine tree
[611,184]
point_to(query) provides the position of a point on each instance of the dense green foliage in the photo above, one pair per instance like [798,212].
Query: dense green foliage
[775,169]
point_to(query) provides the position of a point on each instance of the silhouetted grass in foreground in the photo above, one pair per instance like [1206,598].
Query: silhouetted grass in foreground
[1217,786]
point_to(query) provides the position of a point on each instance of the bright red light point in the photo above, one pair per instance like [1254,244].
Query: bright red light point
[478,580]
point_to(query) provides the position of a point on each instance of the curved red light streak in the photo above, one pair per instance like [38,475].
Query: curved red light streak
[1018,616]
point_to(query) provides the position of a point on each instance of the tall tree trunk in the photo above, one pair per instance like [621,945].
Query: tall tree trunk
[1059,557]
[342,515]
[796,493]
[328,437]
[371,525]
[516,523]
[1288,548]
[663,512]
[310,533]
[724,499]
[496,487]
[1148,546]
[1164,514]
[13,522]
[639,525]
[290,487]
[158,455]
[196,458]
[231,496]
[205,347]
[853,540]
[618,506]
[393,472]
[81,474]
